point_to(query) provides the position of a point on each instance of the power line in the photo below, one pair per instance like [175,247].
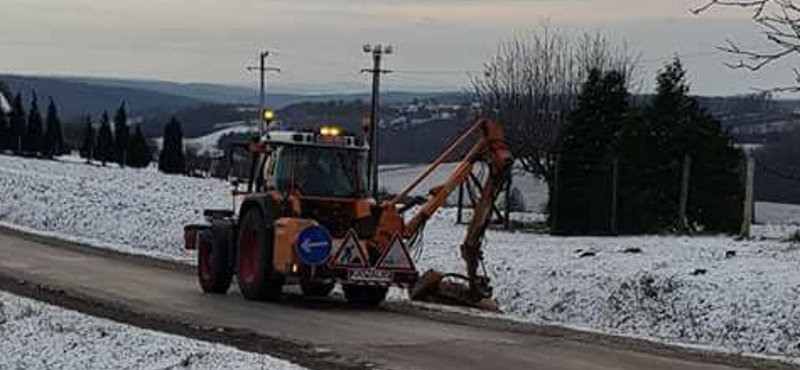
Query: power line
[435,71]
[697,55]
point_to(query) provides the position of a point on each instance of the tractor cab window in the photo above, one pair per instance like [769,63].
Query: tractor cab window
[318,171]
[277,169]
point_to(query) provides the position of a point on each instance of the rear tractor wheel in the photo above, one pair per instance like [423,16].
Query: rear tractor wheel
[213,268]
[256,278]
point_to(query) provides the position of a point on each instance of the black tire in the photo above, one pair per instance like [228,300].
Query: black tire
[256,278]
[313,289]
[364,296]
[213,265]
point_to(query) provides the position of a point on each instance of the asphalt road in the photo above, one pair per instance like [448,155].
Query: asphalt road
[387,339]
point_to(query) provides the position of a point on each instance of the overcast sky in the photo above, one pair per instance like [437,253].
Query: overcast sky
[317,43]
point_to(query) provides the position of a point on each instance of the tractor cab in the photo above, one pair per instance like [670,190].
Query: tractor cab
[314,165]
[321,175]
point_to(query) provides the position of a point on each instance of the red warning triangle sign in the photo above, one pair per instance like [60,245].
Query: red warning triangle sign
[350,253]
[396,257]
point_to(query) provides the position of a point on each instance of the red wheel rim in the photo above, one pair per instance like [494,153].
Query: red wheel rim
[248,255]
[204,262]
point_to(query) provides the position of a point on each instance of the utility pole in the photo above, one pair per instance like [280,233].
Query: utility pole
[377,52]
[263,69]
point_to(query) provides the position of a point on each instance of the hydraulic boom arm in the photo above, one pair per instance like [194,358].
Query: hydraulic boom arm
[490,149]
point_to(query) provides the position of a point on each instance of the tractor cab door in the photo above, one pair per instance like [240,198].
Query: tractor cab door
[276,170]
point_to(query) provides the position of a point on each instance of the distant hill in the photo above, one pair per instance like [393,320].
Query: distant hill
[231,94]
[223,94]
[157,100]
[77,99]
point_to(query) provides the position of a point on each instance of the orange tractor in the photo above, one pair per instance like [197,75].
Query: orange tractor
[308,218]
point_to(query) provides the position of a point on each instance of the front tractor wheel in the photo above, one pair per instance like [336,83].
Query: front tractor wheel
[256,278]
[364,295]
[213,269]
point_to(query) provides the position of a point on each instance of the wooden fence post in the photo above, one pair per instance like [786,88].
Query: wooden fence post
[683,222]
[747,215]
[459,214]
[614,194]
[507,218]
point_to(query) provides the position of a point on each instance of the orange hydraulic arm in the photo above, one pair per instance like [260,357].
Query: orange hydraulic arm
[491,149]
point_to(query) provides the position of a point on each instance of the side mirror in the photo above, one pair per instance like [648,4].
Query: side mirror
[234,182]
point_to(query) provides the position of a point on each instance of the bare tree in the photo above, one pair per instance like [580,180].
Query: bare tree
[779,21]
[532,83]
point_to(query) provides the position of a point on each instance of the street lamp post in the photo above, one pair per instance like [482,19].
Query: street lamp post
[377,52]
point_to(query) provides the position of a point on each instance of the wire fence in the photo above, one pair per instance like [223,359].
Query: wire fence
[606,196]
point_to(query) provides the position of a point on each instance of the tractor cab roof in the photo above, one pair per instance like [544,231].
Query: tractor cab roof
[327,137]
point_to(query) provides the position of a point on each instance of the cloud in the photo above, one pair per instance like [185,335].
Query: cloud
[318,41]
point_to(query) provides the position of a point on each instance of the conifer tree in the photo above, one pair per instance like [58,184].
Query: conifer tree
[5,131]
[140,155]
[88,146]
[53,140]
[172,158]
[104,152]
[121,136]
[588,150]
[675,126]
[34,136]
[17,124]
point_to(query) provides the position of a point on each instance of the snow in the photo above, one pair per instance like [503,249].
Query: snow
[690,290]
[777,213]
[4,106]
[207,144]
[740,296]
[138,208]
[775,220]
[395,177]
[35,335]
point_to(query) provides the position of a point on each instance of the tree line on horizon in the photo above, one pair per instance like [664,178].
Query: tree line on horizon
[126,149]
[115,145]
[25,132]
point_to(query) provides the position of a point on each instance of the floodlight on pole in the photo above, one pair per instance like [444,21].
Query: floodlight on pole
[269,116]
[263,69]
[377,52]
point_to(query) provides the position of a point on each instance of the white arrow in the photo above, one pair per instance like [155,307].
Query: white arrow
[307,245]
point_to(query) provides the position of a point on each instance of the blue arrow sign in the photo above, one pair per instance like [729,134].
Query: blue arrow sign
[314,245]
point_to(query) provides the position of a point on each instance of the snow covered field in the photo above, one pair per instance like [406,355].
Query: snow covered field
[142,211]
[35,335]
[740,296]
[737,296]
